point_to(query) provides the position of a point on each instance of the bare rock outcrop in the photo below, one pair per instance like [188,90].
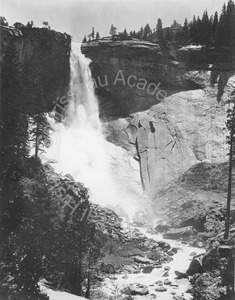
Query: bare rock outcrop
[186,128]
[44,58]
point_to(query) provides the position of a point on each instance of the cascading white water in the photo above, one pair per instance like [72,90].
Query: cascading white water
[78,145]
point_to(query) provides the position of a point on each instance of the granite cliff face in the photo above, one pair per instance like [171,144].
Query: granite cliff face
[166,136]
[167,139]
[186,128]
[44,58]
[130,76]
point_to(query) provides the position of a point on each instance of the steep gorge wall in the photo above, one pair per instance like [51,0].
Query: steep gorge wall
[185,129]
[129,74]
[166,137]
[44,58]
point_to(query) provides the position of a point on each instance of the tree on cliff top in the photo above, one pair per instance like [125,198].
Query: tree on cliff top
[3,21]
[175,24]
[113,30]
[93,33]
[97,35]
[159,29]
[231,141]
[147,32]
[46,24]
[30,24]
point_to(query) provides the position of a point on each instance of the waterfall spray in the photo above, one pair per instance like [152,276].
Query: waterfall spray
[78,144]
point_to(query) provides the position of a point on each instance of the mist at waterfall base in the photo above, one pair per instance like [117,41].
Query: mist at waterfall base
[78,145]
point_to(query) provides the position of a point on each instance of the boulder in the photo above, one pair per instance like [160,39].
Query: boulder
[211,260]
[225,250]
[179,233]
[174,285]
[167,282]
[158,266]
[147,269]
[161,289]
[194,267]
[163,245]
[180,275]
[161,228]
[165,274]
[145,297]
[176,297]
[131,269]
[197,222]
[142,260]
[107,268]
[155,254]
[174,249]
[136,289]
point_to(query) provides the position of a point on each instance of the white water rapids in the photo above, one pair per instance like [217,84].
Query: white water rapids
[180,262]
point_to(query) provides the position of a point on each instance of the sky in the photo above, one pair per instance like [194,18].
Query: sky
[77,17]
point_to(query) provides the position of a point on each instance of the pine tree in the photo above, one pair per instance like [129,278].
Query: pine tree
[221,34]
[97,35]
[141,33]
[193,30]
[215,25]
[168,36]
[93,33]
[199,31]
[30,24]
[147,32]
[185,32]
[159,29]
[230,24]
[175,24]
[113,30]
[185,27]
[125,34]
[205,33]
[40,133]
[84,39]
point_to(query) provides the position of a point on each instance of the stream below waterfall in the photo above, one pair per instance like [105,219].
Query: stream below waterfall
[177,289]
[114,284]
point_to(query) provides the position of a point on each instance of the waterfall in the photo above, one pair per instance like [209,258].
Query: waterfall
[78,144]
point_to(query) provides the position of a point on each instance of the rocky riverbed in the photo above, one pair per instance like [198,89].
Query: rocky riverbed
[139,262]
[151,274]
